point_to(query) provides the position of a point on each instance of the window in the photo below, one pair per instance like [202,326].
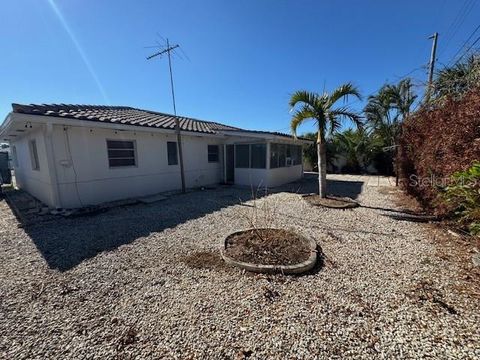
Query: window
[258,156]
[251,156]
[242,156]
[34,155]
[121,153]
[172,153]
[14,156]
[283,155]
[296,155]
[213,151]
[274,155]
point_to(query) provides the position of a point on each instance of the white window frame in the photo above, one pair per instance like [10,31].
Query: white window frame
[135,157]
[32,146]
[176,154]
[14,156]
[209,153]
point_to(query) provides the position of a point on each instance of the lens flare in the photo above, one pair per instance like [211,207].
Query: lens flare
[82,53]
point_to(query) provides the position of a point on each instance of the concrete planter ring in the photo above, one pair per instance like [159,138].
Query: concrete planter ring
[308,261]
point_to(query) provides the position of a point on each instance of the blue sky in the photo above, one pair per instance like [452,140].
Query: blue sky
[244,57]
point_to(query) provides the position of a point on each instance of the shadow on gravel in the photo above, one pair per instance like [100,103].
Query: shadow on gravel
[309,185]
[65,243]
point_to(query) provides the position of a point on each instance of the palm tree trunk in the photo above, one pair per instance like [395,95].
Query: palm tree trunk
[322,167]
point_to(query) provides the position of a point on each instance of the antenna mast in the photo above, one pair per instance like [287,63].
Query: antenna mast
[168,50]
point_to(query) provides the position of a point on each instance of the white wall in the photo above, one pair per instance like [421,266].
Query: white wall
[87,179]
[79,162]
[251,177]
[267,177]
[36,182]
[284,175]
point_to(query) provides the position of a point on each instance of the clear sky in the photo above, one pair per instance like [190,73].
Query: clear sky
[244,57]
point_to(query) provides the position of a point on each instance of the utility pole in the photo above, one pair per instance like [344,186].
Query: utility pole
[432,63]
[168,51]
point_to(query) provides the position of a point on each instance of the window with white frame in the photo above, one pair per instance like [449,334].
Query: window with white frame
[258,156]
[14,156]
[213,153]
[121,153]
[284,155]
[242,156]
[251,156]
[34,155]
[172,153]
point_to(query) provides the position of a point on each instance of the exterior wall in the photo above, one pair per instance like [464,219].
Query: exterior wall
[74,169]
[280,176]
[268,177]
[252,177]
[37,182]
[85,178]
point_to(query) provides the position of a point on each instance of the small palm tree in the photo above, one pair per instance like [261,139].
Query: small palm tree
[358,147]
[385,112]
[321,108]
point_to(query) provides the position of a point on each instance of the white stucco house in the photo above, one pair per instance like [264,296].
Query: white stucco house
[70,156]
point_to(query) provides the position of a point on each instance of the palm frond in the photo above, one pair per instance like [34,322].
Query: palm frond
[299,117]
[303,96]
[343,91]
[345,113]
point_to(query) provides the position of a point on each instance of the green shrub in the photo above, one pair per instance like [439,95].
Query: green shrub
[463,194]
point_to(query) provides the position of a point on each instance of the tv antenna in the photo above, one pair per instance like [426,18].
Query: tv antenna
[168,49]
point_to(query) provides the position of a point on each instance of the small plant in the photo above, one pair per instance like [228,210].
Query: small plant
[261,214]
[463,194]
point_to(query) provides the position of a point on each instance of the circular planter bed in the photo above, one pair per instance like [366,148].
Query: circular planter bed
[333,202]
[270,251]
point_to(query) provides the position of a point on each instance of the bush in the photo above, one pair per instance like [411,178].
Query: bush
[436,143]
[463,195]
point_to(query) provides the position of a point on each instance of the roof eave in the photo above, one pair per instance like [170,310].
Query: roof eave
[7,123]
[56,120]
[265,135]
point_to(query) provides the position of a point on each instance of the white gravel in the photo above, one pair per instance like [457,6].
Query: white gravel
[124,284]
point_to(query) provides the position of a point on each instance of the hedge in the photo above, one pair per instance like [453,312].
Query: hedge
[435,143]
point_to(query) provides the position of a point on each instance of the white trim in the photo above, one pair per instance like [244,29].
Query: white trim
[42,119]
[135,155]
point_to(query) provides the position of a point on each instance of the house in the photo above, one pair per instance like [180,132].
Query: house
[70,156]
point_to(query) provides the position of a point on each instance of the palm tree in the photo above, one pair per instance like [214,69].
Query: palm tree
[321,109]
[359,148]
[457,79]
[385,112]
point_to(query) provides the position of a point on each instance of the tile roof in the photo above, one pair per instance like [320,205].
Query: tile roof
[130,116]
[122,115]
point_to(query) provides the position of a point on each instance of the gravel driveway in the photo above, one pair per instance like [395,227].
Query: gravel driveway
[146,281]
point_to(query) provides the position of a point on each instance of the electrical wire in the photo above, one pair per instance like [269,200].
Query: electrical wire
[466,51]
[465,43]
[73,166]
[457,23]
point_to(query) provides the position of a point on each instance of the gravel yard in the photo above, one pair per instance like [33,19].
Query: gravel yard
[146,281]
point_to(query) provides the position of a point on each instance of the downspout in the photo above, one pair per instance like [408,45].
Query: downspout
[52,166]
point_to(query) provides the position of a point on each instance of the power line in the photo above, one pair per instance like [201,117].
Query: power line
[465,43]
[466,51]
[457,22]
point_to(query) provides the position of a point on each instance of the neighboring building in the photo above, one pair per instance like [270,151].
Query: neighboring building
[71,156]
